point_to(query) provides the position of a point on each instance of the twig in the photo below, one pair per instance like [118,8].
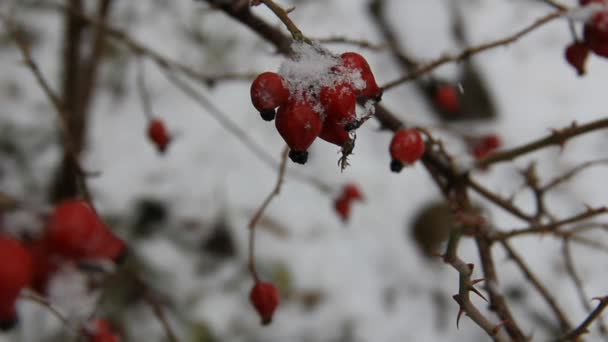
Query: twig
[144,96]
[29,295]
[571,173]
[258,214]
[557,137]
[540,288]
[56,102]
[582,328]
[544,228]
[466,286]
[468,52]
[345,40]
[582,295]
[283,15]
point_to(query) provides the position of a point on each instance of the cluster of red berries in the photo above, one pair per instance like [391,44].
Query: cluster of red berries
[446,98]
[158,134]
[342,204]
[595,38]
[73,233]
[407,147]
[485,145]
[326,110]
[265,299]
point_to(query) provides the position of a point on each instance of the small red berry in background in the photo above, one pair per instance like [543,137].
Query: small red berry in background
[355,61]
[299,124]
[16,272]
[352,192]
[265,298]
[158,134]
[102,332]
[268,91]
[407,146]
[586,2]
[342,206]
[576,54]
[486,145]
[75,231]
[446,98]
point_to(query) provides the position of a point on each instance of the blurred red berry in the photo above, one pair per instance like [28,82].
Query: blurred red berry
[75,231]
[103,332]
[265,298]
[342,207]
[158,134]
[486,145]
[268,91]
[446,98]
[407,146]
[576,55]
[16,272]
[352,192]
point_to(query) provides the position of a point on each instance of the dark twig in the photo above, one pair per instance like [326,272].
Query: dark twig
[258,214]
[582,328]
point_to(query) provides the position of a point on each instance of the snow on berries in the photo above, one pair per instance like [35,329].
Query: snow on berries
[16,273]
[158,134]
[265,299]
[316,94]
[406,147]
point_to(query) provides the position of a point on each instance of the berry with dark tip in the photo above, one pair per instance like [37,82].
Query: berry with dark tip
[268,91]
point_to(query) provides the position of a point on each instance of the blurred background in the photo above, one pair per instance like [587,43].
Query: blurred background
[185,212]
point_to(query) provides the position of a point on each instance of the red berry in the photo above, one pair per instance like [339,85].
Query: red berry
[339,103]
[406,148]
[576,55]
[103,332]
[342,206]
[352,192]
[486,145]
[299,124]
[356,62]
[595,33]
[268,91]
[75,231]
[16,272]
[446,98]
[265,298]
[45,263]
[157,132]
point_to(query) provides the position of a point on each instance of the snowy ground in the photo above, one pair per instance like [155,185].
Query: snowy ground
[374,284]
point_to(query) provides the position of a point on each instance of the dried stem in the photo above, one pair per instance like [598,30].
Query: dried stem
[578,283]
[540,288]
[468,52]
[557,137]
[582,328]
[545,228]
[258,214]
